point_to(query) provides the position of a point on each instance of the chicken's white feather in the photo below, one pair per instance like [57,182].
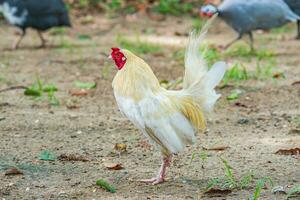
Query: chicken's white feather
[195,65]
[172,130]
[198,81]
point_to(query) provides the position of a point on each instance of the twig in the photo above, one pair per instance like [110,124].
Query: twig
[13,88]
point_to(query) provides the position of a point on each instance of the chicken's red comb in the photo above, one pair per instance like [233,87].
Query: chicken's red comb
[114,49]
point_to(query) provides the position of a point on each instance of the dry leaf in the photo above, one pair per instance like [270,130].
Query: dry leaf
[278,75]
[156,16]
[218,191]
[217,148]
[296,83]
[294,151]
[13,171]
[81,92]
[113,166]
[72,157]
[71,107]
[120,147]
[294,131]
[239,104]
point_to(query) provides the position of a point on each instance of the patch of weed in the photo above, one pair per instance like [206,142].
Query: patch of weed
[297,121]
[138,46]
[283,29]
[173,7]
[237,73]
[39,90]
[229,181]
[295,191]
[246,52]
[259,186]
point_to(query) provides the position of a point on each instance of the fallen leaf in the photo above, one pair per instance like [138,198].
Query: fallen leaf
[296,83]
[157,16]
[278,75]
[113,166]
[294,131]
[120,147]
[239,104]
[218,191]
[13,171]
[216,148]
[294,151]
[47,155]
[81,92]
[71,107]
[102,183]
[72,157]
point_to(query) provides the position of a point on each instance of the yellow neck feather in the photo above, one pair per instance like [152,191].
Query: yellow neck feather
[135,79]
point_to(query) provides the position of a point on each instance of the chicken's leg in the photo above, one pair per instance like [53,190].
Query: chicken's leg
[162,172]
[19,39]
[43,44]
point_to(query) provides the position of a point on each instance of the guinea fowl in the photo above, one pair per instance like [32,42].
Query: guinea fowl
[295,7]
[244,16]
[36,14]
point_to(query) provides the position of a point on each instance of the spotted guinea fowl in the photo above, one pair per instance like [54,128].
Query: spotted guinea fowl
[244,16]
[36,14]
[295,7]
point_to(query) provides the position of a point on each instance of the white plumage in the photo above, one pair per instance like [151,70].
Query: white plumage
[169,119]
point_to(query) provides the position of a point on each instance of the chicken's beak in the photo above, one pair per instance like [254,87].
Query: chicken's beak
[109,57]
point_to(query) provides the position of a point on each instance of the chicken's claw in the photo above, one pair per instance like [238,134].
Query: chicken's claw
[153,181]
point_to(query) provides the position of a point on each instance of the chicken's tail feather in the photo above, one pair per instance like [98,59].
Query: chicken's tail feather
[198,81]
[195,65]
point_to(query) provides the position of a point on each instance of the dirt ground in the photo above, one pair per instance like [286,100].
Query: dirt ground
[253,127]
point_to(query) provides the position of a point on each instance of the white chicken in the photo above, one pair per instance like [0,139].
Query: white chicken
[169,119]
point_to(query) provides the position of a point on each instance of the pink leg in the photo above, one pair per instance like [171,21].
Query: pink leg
[162,172]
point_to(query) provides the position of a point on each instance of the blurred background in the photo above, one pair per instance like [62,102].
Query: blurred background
[59,122]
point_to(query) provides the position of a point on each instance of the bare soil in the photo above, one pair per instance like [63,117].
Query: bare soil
[253,127]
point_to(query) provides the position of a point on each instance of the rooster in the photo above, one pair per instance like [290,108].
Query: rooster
[169,119]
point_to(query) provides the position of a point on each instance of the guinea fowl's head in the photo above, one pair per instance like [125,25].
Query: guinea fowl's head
[208,10]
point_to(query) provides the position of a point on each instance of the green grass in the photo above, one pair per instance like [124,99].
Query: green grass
[58,31]
[40,90]
[237,73]
[242,50]
[210,54]
[202,155]
[294,192]
[284,29]
[138,47]
[260,184]
[297,121]
[263,71]
[230,182]
[173,7]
